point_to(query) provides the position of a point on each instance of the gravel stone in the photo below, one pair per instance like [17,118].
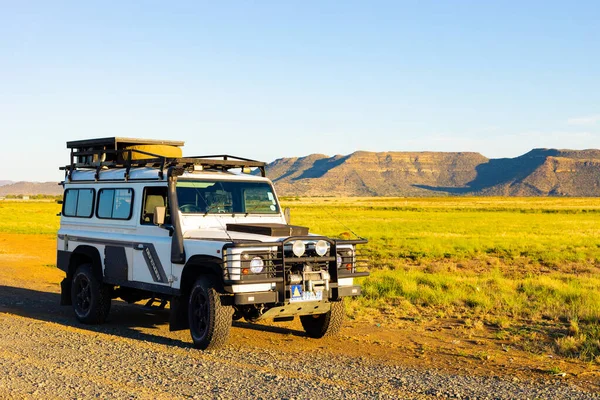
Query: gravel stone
[45,353]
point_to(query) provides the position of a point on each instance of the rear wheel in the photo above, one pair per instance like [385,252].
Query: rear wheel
[210,321]
[90,297]
[323,325]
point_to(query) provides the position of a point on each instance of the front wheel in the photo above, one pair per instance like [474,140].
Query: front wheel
[328,324]
[210,321]
[89,296]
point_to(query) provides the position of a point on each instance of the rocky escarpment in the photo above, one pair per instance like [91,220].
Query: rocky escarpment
[540,172]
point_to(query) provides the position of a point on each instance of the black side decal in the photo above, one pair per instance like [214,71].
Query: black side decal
[115,262]
[153,262]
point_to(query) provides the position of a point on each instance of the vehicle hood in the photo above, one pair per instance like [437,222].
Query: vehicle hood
[227,236]
[261,229]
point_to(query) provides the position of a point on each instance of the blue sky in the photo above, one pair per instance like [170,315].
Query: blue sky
[271,79]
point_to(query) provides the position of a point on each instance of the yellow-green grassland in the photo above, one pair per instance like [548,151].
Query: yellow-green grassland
[527,269]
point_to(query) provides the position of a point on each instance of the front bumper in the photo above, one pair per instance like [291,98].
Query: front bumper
[272,297]
[281,273]
[347,291]
[255,298]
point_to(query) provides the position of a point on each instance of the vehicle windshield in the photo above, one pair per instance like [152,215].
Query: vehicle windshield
[226,197]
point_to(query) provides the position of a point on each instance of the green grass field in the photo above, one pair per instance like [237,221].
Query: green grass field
[29,217]
[550,232]
[507,262]
[528,267]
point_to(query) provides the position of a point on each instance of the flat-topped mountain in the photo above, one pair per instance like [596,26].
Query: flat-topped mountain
[540,172]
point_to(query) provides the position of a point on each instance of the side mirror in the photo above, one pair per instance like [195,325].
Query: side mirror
[159,215]
[287,215]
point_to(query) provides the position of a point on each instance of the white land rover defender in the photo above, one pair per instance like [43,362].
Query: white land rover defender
[139,221]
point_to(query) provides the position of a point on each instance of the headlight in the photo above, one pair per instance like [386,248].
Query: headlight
[299,248]
[256,265]
[321,247]
[348,255]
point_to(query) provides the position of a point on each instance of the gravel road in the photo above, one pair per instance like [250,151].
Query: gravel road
[45,353]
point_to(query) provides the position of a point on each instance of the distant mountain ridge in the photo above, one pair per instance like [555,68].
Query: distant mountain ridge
[31,188]
[540,172]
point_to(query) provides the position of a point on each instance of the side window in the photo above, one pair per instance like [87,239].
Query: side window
[115,203]
[85,205]
[78,203]
[153,197]
[70,204]
[105,203]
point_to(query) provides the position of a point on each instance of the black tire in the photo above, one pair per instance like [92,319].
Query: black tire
[324,325]
[210,321]
[90,297]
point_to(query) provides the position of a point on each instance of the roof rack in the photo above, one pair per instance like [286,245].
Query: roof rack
[111,153]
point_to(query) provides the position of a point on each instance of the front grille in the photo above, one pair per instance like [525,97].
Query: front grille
[239,266]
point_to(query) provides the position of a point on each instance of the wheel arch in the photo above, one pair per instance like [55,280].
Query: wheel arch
[195,267]
[201,265]
[83,254]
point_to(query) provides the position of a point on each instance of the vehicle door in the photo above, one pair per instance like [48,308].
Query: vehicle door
[152,243]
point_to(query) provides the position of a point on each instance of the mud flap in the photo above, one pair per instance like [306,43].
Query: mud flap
[65,292]
[178,317]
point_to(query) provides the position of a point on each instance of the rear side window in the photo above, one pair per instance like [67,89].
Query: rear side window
[78,203]
[115,203]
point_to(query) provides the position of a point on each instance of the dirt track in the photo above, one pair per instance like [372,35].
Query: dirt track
[45,353]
